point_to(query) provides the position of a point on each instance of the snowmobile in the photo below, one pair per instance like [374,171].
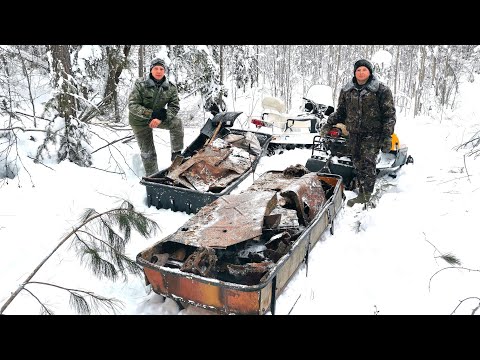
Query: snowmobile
[291,131]
[331,154]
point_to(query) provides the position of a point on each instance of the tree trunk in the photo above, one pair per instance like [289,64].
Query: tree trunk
[288,78]
[116,62]
[28,75]
[421,77]
[336,70]
[411,82]
[221,64]
[141,61]
[330,70]
[63,81]
[396,72]
[257,62]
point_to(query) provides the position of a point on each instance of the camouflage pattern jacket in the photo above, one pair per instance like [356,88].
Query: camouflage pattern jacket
[146,97]
[369,110]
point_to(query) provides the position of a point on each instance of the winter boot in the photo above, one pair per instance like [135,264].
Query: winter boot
[174,155]
[362,198]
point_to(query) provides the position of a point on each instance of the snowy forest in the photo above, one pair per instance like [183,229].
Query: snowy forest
[94,81]
[82,84]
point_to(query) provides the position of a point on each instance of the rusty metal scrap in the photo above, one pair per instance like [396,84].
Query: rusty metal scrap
[201,262]
[306,195]
[247,141]
[272,221]
[252,251]
[176,162]
[212,168]
[270,181]
[240,237]
[267,256]
[208,157]
[229,220]
[250,273]
[160,259]
[295,171]
[288,218]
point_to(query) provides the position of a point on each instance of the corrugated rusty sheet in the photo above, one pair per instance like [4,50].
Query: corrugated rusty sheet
[229,220]
[211,168]
[271,181]
[307,196]
[279,180]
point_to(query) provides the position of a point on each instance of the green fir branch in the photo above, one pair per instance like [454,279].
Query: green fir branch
[44,310]
[79,300]
[91,249]
[100,267]
[123,223]
[103,246]
[114,252]
[79,304]
[129,265]
[474,310]
[88,214]
[450,267]
[451,259]
[113,238]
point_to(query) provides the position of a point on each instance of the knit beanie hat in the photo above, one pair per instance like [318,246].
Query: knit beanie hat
[365,63]
[157,61]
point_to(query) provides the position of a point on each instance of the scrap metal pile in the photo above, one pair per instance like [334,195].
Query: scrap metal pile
[238,238]
[215,166]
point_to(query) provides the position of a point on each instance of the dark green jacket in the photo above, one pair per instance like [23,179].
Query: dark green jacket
[370,110]
[146,97]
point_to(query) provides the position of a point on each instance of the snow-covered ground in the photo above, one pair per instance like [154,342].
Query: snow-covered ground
[379,261]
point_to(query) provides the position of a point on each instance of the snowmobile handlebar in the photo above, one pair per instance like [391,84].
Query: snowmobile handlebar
[320,110]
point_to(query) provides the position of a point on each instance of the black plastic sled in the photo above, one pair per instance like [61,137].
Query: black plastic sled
[215,163]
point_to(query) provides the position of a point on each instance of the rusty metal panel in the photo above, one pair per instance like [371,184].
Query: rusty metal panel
[207,157]
[204,294]
[307,194]
[330,180]
[241,302]
[227,221]
[156,279]
[294,260]
[188,288]
[274,180]
[265,298]
[212,167]
[317,229]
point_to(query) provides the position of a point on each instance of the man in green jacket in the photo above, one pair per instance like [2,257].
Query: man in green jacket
[367,109]
[153,103]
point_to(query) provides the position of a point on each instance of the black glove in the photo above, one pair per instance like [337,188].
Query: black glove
[159,114]
[214,109]
[386,145]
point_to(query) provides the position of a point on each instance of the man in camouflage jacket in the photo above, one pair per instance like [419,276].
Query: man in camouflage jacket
[367,109]
[146,105]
